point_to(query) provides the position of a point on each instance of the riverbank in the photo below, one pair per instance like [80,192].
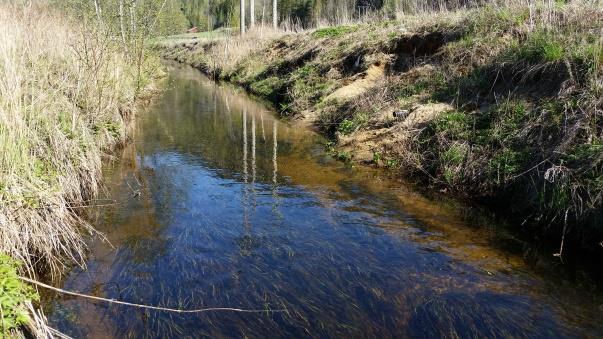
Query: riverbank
[497,105]
[67,97]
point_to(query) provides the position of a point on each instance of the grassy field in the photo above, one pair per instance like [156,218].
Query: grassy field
[500,104]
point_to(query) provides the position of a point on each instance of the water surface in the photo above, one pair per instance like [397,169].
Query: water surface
[218,204]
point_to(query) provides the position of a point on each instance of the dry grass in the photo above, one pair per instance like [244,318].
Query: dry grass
[222,51]
[227,53]
[65,98]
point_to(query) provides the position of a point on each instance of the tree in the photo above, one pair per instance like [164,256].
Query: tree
[242,16]
[128,23]
[251,13]
[274,14]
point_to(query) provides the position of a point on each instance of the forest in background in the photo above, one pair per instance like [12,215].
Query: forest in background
[212,14]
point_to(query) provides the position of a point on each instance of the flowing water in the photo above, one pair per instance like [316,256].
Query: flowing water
[218,204]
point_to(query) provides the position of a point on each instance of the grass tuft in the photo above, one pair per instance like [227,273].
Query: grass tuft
[333,32]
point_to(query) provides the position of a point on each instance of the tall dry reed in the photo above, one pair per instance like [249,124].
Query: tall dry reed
[65,97]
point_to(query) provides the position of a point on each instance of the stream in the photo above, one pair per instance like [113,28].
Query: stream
[220,204]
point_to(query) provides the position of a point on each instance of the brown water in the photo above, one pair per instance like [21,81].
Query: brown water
[222,205]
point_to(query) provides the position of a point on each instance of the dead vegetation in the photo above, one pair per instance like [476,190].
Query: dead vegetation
[498,103]
[65,99]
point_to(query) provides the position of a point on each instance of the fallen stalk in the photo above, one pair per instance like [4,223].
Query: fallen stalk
[157,308]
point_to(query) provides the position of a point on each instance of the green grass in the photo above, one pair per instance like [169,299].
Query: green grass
[377,158]
[333,32]
[541,46]
[308,86]
[505,164]
[267,88]
[14,293]
[191,37]
[496,20]
[583,153]
[349,125]
[429,85]
[455,124]
[343,156]
[346,127]
[454,155]
[392,163]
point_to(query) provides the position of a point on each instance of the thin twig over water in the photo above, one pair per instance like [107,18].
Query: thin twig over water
[158,308]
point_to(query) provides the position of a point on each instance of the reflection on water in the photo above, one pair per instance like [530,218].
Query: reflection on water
[221,205]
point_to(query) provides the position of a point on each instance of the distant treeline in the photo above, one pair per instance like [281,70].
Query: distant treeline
[212,14]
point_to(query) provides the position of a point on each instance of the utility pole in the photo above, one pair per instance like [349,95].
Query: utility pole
[274,14]
[121,25]
[98,10]
[242,17]
[208,19]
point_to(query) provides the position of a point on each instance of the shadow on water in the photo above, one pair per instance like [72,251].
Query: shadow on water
[222,205]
